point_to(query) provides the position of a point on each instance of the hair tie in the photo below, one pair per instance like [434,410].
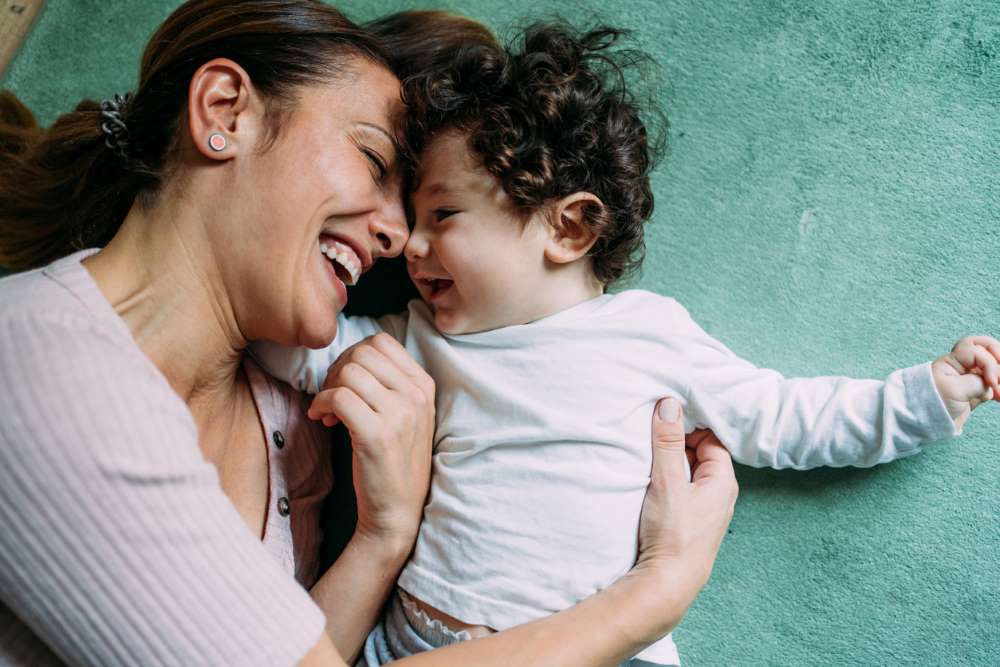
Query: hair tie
[114,127]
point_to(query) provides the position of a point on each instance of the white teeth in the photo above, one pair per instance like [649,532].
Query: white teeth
[343,255]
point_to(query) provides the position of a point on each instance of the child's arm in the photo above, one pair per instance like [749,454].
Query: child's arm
[767,420]
[304,368]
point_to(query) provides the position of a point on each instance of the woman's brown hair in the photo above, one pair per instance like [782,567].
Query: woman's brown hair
[65,188]
[419,41]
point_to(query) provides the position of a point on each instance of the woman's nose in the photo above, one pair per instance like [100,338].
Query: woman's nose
[389,227]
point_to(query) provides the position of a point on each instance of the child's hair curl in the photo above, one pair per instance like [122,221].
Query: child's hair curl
[550,118]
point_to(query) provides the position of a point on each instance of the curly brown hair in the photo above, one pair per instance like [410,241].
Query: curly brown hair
[550,117]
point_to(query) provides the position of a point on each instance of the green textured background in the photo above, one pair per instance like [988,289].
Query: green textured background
[829,204]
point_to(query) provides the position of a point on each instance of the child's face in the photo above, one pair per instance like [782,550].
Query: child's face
[473,259]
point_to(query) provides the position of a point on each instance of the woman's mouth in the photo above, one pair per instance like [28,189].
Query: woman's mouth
[344,260]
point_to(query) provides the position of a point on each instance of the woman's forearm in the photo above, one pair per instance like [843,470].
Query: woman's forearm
[604,630]
[352,592]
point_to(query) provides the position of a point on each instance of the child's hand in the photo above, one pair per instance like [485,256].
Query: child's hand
[321,408]
[968,376]
[386,401]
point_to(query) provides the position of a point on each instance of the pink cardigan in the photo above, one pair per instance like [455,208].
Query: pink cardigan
[117,544]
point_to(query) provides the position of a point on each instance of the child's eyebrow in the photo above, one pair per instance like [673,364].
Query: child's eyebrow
[436,189]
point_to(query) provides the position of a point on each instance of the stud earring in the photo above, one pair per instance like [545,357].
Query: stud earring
[217,142]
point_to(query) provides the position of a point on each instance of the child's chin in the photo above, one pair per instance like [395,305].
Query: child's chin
[447,323]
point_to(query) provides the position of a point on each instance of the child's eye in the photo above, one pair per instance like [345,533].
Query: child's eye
[443,213]
[377,162]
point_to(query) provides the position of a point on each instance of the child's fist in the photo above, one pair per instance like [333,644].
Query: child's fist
[968,375]
[322,407]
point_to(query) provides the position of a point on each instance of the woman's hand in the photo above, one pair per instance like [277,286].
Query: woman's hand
[386,400]
[683,521]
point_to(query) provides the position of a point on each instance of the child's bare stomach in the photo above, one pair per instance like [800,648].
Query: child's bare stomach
[451,622]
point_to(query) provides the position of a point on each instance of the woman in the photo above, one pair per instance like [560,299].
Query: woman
[257,129]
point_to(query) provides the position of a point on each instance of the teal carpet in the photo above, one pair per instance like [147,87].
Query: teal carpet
[829,204]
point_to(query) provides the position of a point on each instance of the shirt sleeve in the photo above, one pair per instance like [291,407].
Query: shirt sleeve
[768,420]
[305,368]
[118,545]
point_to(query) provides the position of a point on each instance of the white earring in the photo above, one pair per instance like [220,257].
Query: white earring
[217,142]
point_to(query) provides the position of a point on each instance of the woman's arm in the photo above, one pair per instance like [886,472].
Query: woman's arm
[682,526]
[602,631]
[353,591]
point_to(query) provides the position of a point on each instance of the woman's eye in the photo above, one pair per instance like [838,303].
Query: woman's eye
[377,162]
[443,213]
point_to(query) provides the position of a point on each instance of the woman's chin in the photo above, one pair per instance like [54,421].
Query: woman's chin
[319,332]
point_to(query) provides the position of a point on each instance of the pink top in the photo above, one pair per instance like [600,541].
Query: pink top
[300,474]
[118,545]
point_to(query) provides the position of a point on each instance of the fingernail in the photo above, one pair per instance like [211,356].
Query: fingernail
[669,410]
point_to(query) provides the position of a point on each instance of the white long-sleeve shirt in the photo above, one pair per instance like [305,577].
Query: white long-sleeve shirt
[542,448]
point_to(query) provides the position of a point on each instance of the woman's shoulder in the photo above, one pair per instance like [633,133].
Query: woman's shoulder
[59,295]
[58,315]
[32,293]
[71,373]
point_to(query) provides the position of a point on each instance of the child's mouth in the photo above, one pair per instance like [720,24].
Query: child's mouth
[438,287]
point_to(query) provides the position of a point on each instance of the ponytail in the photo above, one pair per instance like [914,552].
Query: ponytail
[61,189]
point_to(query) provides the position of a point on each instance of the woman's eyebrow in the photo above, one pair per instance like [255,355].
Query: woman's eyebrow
[381,130]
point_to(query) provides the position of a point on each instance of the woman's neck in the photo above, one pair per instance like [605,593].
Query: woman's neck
[160,277]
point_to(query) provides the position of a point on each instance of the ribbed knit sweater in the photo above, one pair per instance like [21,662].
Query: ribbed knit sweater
[117,543]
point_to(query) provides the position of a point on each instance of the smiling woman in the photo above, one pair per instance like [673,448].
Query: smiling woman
[159,493]
[178,466]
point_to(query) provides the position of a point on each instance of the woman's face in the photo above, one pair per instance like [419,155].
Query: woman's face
[330,180]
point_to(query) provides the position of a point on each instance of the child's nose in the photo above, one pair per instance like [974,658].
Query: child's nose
[416,246]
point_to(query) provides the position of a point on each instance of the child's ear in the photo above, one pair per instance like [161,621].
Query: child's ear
[571,237]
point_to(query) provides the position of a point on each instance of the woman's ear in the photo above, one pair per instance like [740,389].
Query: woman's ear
[571,236]
[221,116]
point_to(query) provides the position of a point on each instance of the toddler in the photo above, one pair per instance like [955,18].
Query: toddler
[529,201]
